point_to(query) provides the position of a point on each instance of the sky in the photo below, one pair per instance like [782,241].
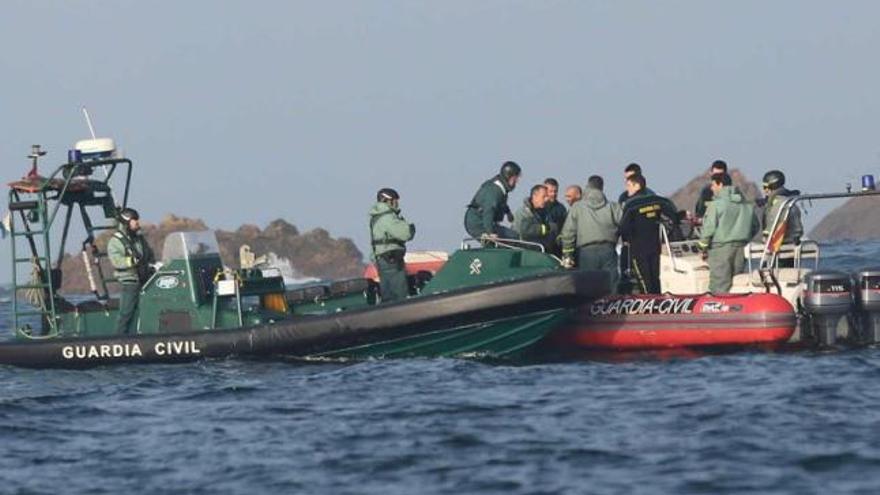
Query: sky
[243,112]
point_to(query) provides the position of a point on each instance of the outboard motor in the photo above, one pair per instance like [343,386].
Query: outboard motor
[868,303]
[827,299]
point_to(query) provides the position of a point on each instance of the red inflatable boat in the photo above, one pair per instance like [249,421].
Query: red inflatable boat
[670,321]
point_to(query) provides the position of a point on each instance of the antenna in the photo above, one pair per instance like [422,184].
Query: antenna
[89,122]
[94,136]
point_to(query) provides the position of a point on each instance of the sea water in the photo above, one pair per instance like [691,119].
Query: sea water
[748,422]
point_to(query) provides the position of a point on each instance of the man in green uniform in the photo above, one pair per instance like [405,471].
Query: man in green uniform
[590,232]
[131,256]
[706,195]
[729,224]
[489,206]
[531,220]
[389,233]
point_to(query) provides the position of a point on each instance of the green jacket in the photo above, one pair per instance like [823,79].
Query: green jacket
[591,220]
[795,228]
[706,197]
[729,218]
[130,255]
[389,231]
[487,208]
[534,226]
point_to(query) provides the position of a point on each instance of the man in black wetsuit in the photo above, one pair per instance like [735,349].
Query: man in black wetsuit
[639,226]
[629,171]
[625,269]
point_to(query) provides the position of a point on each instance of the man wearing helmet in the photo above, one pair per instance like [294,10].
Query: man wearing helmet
[489,206]
[389,233]
[131,256]
[776,194]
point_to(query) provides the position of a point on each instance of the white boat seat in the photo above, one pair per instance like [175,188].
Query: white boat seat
[785,276]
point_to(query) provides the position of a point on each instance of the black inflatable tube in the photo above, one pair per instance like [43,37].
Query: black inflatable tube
[301,336]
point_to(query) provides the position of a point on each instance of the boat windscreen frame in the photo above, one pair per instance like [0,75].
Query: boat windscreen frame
[769,256]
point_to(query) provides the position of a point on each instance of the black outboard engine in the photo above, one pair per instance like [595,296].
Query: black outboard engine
[868,303]
[827,299]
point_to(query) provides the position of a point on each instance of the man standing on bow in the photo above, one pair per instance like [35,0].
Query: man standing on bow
[389,233]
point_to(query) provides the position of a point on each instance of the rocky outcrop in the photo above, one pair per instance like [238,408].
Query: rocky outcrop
[311,254]
[857,219]
[686,197]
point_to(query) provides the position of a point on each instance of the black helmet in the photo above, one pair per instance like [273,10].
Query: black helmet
[386,194]
[509,169]
[128,214]
[773,180]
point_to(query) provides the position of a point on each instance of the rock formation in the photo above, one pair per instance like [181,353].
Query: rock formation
[857,219]
[311,254]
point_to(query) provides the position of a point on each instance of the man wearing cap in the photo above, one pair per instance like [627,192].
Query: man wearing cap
[389,233]
[489,206]
[131,257]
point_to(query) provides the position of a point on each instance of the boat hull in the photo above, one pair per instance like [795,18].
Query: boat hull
[631,323]
[491,320]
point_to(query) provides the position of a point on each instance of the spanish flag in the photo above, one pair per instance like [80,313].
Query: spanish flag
[778,236]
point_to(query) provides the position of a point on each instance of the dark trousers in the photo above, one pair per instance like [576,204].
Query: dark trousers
[600,257]
[128,305]
[393,285]
[646,271]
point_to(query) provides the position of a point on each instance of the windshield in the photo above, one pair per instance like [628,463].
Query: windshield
[187,245]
